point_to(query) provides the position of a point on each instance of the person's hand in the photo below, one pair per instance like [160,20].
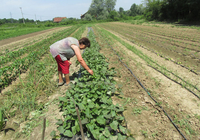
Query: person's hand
[90,71]
[69,62]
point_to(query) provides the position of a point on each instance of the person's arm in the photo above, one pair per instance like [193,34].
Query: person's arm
[80,59]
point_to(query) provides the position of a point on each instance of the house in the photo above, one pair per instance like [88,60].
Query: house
[58,19]
[82,16]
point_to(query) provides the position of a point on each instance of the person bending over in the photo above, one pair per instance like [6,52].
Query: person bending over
[65,49]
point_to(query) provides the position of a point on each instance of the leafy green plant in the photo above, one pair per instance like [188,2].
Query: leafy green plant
[137,111]
[92,95]
[1,119]
[145,133]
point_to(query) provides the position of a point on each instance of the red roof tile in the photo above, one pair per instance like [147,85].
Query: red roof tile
[58,19]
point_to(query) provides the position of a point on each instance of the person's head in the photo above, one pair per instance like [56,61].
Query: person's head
[84,42]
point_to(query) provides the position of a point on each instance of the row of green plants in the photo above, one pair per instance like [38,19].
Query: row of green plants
[16,30]
[163,32]
[92,95]
[168,73]
[10,56]
[10,72]
[167,37]
[110,38]
[182,51]
[37,85]
[138,40]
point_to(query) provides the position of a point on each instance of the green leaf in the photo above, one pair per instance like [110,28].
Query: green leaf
[63,99]
[74,130]
[53,133]
[120,110]
[113,113]
[90,126]
[101,137]
[120,137]
[106,132]
[109,116]
[120,118]
[68,117]
[91,105]
[109,92]
[68,133]
[99,93]
[87,113]
[122,129]
[76,80]
[113,137]
[105,112]
[86,90]
[85,121]
[114,125]
[77,126]
[95,133]
[81,106]
[68,94]
[96,111]
[61,129]
[60,122]
[104,99]
[101,120]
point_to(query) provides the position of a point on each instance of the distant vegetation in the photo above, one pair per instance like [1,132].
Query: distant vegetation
[104,11]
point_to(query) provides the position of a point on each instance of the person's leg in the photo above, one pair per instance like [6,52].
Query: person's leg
[67,78]
[60,76]
[63,68]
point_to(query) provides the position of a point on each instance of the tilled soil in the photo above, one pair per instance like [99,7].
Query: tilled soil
[179,44]
[53,113]
[145,118]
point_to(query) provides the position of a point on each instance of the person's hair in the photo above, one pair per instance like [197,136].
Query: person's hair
[85,41]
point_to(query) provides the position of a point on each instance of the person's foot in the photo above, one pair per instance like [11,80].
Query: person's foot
[60,84]
[66,84]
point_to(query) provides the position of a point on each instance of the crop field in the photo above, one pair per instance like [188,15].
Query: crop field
[146,85]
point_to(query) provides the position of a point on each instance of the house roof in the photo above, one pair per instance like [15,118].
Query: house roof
[58,19]
[82,16]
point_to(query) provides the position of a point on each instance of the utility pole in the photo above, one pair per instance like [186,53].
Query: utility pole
[11,17]
[22,15]
[35,19]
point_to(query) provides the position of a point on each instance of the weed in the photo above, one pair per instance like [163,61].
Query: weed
[154,134]
[144,133]
[137,111]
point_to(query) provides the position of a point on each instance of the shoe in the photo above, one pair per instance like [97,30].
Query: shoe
[66,84]
[60,84]
[69,83]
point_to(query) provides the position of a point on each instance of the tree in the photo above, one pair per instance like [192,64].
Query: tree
[153,9]
[114,15]
[110,5]
[100,9]
[172,9]
[88,17]
[136,10]
[121,10]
